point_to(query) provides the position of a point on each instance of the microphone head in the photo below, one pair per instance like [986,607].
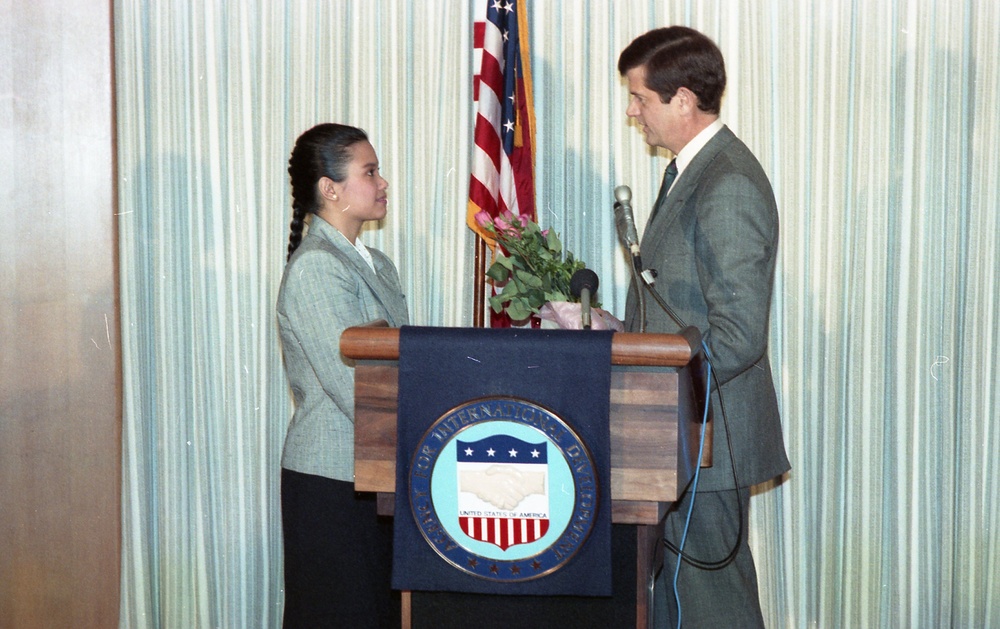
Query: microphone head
[624,221]
[584,278]
[623,195]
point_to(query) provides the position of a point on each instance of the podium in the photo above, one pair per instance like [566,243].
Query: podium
[657,397]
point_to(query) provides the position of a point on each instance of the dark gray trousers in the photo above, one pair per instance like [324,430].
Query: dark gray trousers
[721,598]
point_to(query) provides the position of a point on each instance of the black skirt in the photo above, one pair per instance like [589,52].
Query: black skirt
[338,556]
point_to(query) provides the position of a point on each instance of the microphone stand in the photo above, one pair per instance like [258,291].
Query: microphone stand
[666,308]
[640,284]
[583,284]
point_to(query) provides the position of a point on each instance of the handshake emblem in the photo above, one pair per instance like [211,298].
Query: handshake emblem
[502,485]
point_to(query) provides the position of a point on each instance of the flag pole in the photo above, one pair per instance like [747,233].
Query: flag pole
[479,285]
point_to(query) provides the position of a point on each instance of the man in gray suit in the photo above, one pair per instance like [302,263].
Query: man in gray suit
[712,239]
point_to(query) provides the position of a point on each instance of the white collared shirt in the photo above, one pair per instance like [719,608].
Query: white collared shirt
[692,148]
[362,250]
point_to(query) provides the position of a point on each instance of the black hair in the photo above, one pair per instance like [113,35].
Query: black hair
[322,151]
[676,57]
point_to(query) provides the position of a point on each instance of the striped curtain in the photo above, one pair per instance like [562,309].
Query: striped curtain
[877,123]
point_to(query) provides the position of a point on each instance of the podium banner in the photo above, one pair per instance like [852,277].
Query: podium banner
[503,462]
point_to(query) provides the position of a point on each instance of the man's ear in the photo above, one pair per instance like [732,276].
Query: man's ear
[328,188]
[688,99]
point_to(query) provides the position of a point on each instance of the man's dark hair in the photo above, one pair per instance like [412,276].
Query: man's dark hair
[675,57]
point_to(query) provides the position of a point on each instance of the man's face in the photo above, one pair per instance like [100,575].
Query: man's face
[661,122]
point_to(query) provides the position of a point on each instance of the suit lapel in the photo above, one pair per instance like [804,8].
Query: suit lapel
[669,206]
[389,293]
[384,290]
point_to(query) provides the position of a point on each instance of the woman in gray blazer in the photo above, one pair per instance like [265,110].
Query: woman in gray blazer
[337,551]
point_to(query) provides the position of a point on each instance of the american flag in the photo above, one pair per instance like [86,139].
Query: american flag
[503,158]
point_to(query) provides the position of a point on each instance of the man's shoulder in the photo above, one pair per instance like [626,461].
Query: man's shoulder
[727,153]
[725,142]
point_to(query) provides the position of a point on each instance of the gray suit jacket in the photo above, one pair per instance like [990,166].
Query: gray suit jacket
[328,287]
[713,242]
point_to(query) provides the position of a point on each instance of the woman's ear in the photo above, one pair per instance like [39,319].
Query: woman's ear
[328,188]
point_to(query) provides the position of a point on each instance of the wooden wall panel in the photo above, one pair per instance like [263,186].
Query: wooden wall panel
[60,375]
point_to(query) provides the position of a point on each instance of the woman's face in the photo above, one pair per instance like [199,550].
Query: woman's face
[362,194]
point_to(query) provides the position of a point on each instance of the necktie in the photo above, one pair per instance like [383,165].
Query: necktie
[668,179]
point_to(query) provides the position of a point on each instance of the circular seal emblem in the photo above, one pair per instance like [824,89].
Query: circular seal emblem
[503,489]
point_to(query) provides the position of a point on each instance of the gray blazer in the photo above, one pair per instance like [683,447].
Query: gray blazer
[328,287]
[713,242]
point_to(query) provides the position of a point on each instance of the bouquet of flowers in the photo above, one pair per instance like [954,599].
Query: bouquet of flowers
[530,267]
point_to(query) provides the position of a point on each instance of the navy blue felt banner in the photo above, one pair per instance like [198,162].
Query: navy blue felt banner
[547,379]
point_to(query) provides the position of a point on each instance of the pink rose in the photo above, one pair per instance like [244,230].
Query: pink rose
[483,219]
[508,224]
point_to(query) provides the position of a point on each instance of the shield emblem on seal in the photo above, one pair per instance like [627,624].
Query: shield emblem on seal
[503,493]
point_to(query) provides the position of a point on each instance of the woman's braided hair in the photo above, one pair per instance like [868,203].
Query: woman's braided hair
[323,151]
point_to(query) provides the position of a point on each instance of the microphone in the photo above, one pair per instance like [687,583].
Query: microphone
[583,284]
[625,224]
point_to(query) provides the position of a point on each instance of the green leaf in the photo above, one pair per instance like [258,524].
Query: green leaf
[529,279]
[511,290]
[518,312]
[552,241]
[498,272]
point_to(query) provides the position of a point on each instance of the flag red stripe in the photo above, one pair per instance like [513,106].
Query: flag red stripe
[487,139]
[478,34]
[480,195]
[492,74]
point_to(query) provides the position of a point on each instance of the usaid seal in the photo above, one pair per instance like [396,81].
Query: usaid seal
[503,489]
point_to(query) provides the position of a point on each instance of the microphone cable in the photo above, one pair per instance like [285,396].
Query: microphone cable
[694,488]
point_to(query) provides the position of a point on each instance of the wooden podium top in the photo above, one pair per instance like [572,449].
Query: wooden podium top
[654,441]
[378,342]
